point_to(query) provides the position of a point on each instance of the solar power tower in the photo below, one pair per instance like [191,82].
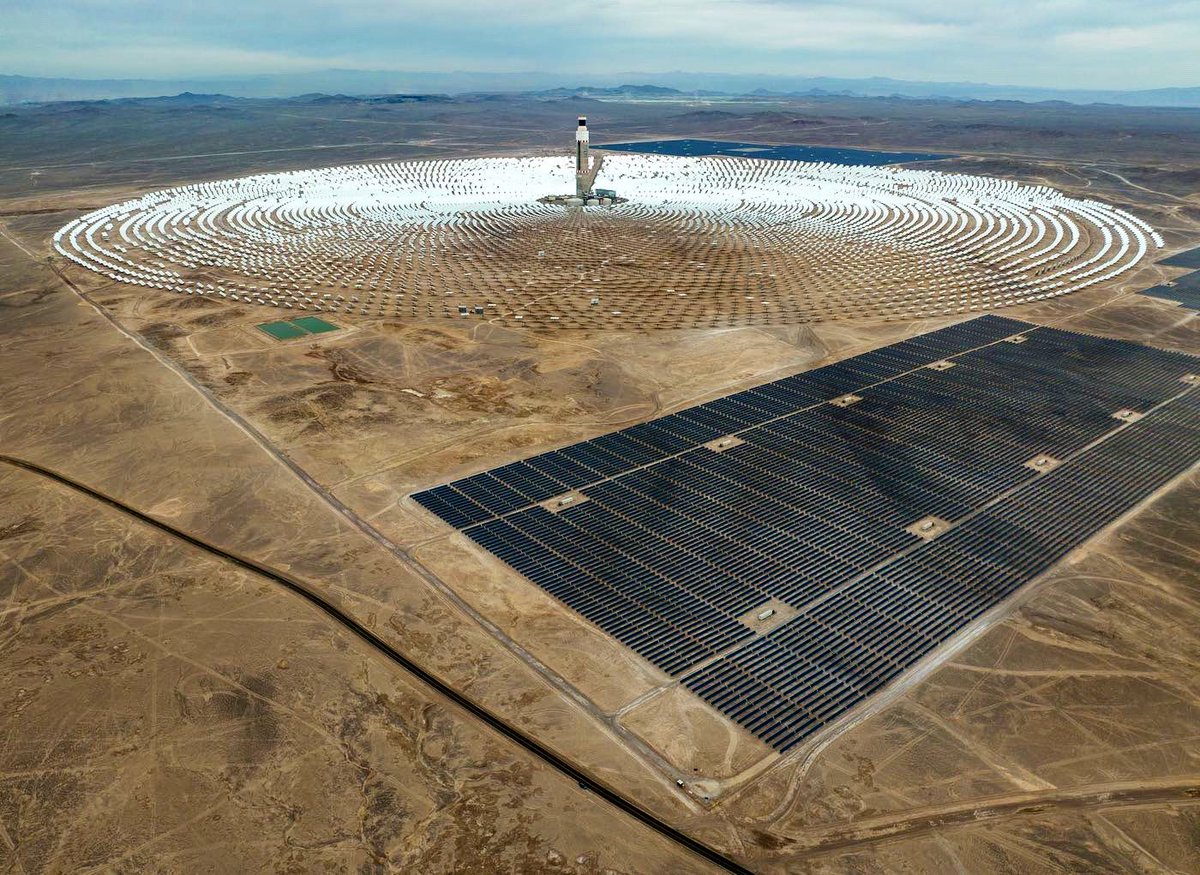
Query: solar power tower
[585,168]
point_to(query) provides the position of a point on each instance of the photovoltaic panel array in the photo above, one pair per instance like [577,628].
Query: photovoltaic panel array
[1187,258]
[501,490]
[1185,290]
[788,683]
[672,540]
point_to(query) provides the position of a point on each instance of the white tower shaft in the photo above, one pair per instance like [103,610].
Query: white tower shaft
[585,171]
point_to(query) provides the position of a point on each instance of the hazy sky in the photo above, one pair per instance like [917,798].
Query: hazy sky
[1065,43]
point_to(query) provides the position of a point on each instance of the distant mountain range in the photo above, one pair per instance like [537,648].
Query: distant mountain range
[677,85]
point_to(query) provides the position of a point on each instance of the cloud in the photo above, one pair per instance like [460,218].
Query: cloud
[772,26]
[1127,38]
[1067,43]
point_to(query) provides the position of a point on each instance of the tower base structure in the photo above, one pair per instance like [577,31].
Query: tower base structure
[586,170]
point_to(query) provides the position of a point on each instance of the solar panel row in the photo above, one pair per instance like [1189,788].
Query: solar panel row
[808,672]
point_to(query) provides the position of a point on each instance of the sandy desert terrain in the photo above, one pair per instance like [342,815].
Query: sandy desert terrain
[168,711]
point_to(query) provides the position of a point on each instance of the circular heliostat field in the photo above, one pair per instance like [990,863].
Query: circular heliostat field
[701,242]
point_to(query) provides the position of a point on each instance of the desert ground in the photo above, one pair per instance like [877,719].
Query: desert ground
[171,711]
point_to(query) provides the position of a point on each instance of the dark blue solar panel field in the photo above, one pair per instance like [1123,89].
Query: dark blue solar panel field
[887,500]
[1185,290]
[827,154]
[1189,258]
